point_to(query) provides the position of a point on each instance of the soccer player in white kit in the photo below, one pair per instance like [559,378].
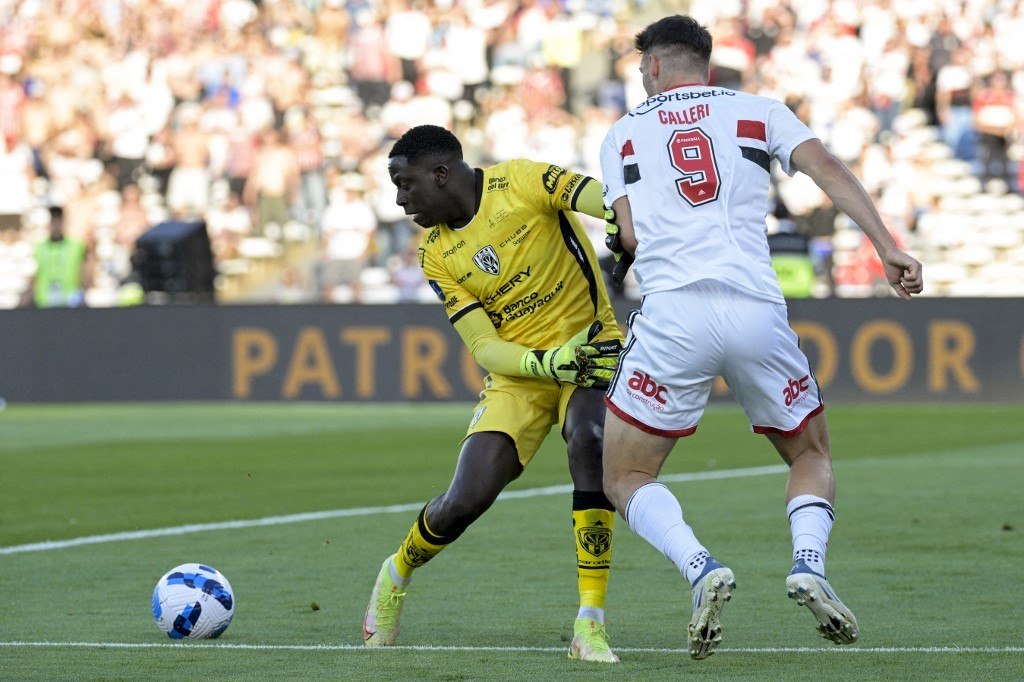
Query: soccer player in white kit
[687,174]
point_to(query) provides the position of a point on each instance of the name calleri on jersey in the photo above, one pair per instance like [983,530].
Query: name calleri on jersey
[695,164]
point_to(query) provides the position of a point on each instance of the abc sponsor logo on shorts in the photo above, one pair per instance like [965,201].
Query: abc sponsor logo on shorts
[651,393]
[796,390]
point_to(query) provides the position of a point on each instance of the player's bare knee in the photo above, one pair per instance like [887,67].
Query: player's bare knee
[586,440]
[584,448]
[809,455]
[614,489]
[809,446]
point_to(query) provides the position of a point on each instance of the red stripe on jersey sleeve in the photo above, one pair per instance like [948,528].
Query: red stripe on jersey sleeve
[627,149]
[751,129]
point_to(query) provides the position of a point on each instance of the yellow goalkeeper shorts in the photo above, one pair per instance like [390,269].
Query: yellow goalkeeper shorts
[525,409]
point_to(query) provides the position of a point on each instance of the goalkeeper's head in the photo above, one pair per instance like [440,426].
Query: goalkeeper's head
[434,184]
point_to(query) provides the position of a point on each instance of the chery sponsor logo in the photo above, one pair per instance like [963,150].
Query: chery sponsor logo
[508,286]
[651,393]
[796,390]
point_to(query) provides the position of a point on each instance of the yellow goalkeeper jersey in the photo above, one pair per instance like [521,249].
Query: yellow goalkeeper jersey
[524,258]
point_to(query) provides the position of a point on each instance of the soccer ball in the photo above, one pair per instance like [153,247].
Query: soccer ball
[193,601]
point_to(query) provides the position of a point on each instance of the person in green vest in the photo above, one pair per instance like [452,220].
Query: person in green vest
[61,269]
[791,260]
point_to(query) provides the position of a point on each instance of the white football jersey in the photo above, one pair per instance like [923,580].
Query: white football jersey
[695,164]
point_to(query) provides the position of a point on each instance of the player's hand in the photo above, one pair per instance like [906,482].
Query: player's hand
[577,361]
[600,359]
[904,273]
[622,259]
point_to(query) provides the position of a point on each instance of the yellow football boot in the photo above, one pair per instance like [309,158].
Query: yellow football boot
[381,622]
[590,642]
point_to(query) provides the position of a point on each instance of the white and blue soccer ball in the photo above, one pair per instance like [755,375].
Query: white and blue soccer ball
[193,601]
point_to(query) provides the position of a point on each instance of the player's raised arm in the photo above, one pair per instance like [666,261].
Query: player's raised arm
[846,192]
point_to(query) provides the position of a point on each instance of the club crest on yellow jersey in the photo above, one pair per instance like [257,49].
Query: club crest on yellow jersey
[487,260]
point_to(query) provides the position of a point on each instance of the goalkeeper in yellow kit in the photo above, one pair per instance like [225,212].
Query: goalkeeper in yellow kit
[519,281]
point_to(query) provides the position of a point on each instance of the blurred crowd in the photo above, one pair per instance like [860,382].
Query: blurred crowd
[271,121]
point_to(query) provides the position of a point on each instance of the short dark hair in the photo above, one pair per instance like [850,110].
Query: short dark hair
[677,32]
[425,141]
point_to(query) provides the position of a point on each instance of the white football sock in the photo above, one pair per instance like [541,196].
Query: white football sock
[810,521]
[399,580]
[591,613]
[655,515]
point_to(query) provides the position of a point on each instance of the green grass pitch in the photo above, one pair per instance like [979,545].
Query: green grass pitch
[927,549]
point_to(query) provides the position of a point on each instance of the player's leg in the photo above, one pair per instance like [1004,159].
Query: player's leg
[771,379]
[593,519]
[657,396]
[810,496]
[810,490]
[487,463]
[508,426]
[632,460]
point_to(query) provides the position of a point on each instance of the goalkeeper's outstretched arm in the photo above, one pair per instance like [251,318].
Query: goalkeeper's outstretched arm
[580,360]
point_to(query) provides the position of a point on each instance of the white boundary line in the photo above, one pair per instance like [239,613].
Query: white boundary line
[357,511]
[398,508]
[193,646]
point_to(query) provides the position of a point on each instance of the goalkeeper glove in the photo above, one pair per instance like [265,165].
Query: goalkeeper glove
[622,259]
[577,361]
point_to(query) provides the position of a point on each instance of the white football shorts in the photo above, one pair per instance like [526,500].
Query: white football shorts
[680,340]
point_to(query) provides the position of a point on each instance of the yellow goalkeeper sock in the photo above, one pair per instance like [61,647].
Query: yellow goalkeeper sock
[592,519]
[419,546]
